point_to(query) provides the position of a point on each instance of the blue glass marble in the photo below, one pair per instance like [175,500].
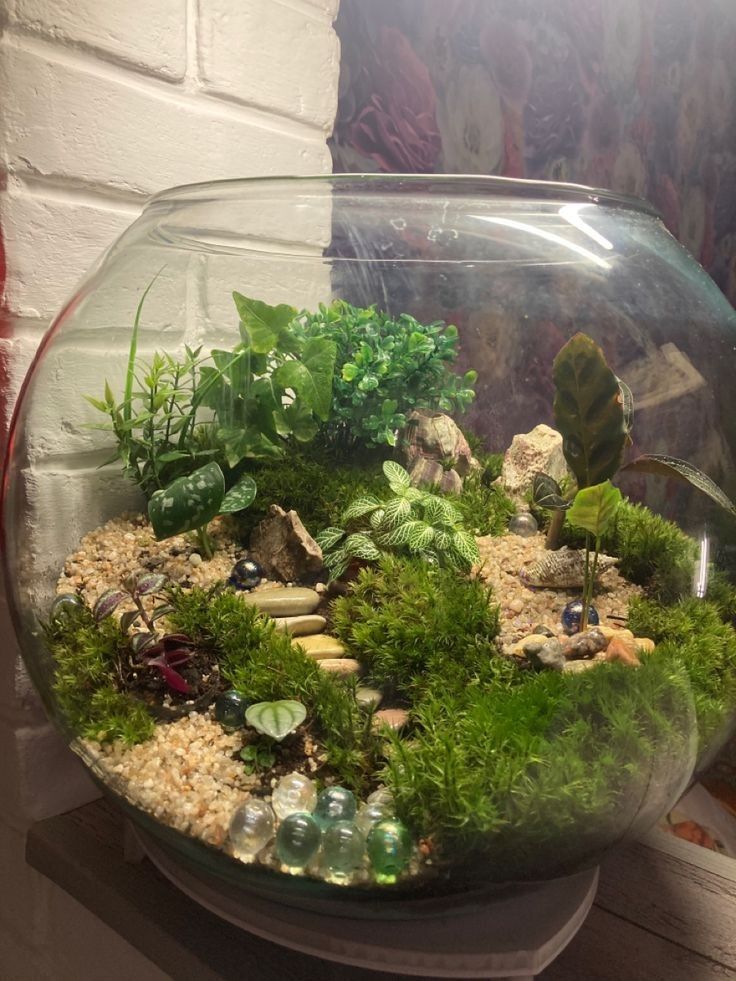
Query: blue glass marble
[334,804]
[573,613]
[230,709]
[389,849]
[297,840]
[245,574]
[342,851]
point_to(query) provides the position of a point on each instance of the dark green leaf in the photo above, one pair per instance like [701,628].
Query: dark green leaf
[240,496]
[546,493]
[670,466]
[188,502]
[311,376]
[588,410]
[263,326]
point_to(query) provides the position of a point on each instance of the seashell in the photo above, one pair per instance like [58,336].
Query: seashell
[562,569]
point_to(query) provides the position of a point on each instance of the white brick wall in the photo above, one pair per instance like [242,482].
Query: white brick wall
[104,102]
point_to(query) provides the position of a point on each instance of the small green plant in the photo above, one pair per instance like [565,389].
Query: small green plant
[185,428]
[384,368]
[134,589]
[276,719]
[258,756]
[410,522]
[593,510]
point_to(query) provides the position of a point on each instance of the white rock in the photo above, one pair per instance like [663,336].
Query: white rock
[538,450]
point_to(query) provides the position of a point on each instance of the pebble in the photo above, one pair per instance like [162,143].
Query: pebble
[395,718]
[340,665]
[284,601]
[516,606]
[301,626]
[540,628]
[195,559]
[645,644]
[368,697]
[623,649]
[321,647]
[584,645]
[576,667]
[546,656]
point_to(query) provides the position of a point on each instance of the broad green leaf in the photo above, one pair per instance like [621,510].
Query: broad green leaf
[310,376]
[546,493]
[329,537]
[360,507]
[361,547]
[588,410]
[420,537]
[276,719]
[298,421]
[263,326]
[397,537]
[397,477]
[376,518]
[240,496]
[188,502]
[594,508]
[395,511]
[670,466]
[466,546]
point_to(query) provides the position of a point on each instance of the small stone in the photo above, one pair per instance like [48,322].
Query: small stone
[321,646]
[342,851]
[284,547]
[433,435]
[251,828]
[284,601]
[230,709]
[294,794]
[623,649]
[195,559]
[572,616]
[645,644]
[540,628]
[245,574]
[334,804]
[394,718]
[516,606]
[548,656]
[389,850]
[577,667]
[371,813]
[368,697]
[584,645]
[523,524]
[297,841]
[301,626]
[534,642]
[341,665]
[537,451]
[609,632]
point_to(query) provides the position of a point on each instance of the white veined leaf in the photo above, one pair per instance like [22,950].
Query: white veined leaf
[465,545]
[442,540]
[395,538]
[421,535]
[395,512]
[376,518]
[360,507]
[329,537]
[397,477]
[413,494]
[361,547]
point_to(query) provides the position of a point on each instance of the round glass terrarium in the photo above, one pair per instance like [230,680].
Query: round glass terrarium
[371,537]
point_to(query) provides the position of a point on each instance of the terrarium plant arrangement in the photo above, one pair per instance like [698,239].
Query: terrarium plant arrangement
[348,642]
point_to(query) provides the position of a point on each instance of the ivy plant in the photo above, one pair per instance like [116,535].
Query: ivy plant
[411,521]
[384,368]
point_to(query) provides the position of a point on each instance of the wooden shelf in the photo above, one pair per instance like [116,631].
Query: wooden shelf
[665,911]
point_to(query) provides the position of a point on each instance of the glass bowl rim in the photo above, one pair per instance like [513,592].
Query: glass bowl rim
[470,184]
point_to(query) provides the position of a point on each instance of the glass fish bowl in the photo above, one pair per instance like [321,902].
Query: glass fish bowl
[371,537]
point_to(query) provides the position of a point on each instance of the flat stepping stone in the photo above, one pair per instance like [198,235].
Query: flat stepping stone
[301,626]
[393,718]
[369,697]
[284,601]
[321,646]
[340,665]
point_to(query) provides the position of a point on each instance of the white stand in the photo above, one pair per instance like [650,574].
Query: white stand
[514,936]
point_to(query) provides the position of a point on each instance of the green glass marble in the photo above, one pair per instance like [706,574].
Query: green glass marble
[389,849]
[334,804]
[343,847]
[230,709]
[63,604]
[297,841]
[371,813]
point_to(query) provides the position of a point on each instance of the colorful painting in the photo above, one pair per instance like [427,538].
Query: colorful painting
[638,96]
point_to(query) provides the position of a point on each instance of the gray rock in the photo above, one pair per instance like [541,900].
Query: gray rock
[547,657]
[542,630]
[283,601]
[585,645]
[430,473]
[433,435]
[283,546]
[368,697]
[301,626]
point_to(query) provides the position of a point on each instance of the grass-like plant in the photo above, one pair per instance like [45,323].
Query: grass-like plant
[385,367]
[412,521]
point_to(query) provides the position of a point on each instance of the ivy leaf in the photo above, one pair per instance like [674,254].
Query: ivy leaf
[310,377]
[263,327]
[670,466]
[588,410]
[594,508]
[547,493]
[240,496]
[276,719]
[188,502]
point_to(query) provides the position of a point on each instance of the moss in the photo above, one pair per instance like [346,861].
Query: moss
[485,509]
[313,486]
[415,626]
[86,656]
[260,661]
